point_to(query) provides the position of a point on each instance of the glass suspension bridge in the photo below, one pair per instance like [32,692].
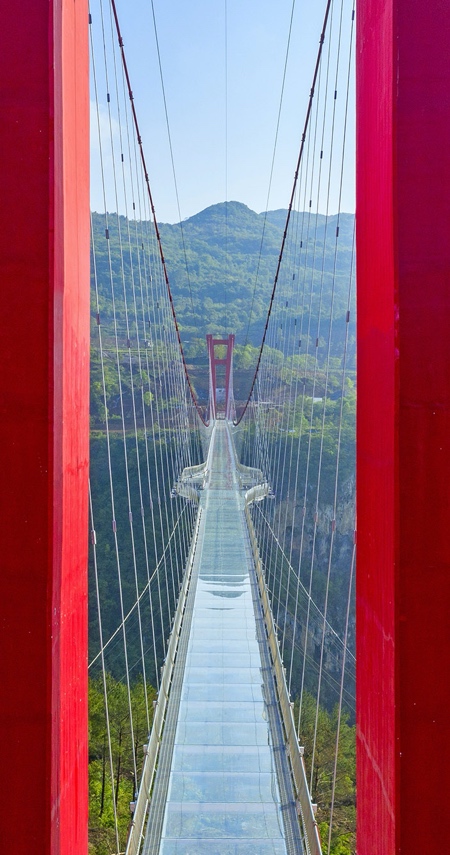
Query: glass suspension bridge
[222,531]
[222,519]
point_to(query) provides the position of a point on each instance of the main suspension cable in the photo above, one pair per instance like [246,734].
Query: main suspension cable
[152,206]
[290,206]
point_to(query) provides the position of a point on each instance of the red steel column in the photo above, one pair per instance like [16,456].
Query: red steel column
[212,343]
[403,437]
[44,392]
[212,377]
[229,374]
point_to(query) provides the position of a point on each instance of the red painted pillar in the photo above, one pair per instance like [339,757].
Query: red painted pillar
[229,375]
[212,377]
[403,438]
[44,385]
[213,362]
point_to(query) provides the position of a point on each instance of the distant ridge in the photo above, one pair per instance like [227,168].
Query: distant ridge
[223,263]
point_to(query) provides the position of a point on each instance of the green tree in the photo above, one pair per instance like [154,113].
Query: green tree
[114,754]
[343,817]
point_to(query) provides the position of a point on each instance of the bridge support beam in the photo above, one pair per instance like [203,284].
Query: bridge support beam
[44,335]
[403,439]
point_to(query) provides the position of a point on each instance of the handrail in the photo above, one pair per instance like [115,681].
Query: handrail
[296,761]
[152,749]
[253,475]
[193,471]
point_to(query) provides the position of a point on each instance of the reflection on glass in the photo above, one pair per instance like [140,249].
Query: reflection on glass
[222,787]
[226,821]
[233,711]
[189,758]
[223,847]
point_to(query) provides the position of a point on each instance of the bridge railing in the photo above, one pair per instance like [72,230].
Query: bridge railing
[304,804]
[152,749]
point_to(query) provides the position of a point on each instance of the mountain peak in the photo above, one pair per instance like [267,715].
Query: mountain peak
[233,210]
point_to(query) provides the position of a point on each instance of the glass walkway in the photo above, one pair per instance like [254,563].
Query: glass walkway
[217,790]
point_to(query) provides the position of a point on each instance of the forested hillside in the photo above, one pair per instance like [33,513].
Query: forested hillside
[231,255]
[221,264]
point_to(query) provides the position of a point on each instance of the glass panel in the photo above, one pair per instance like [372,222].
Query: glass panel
[221,821]
[215,659]
[217,733]
[227,676]
[227,645]
[189,758]
[220,692]
[223,847]
[225,711]
[220,787]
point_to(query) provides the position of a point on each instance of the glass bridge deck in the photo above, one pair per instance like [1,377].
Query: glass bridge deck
[223,796]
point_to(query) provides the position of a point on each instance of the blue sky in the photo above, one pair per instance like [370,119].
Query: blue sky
[192,45]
